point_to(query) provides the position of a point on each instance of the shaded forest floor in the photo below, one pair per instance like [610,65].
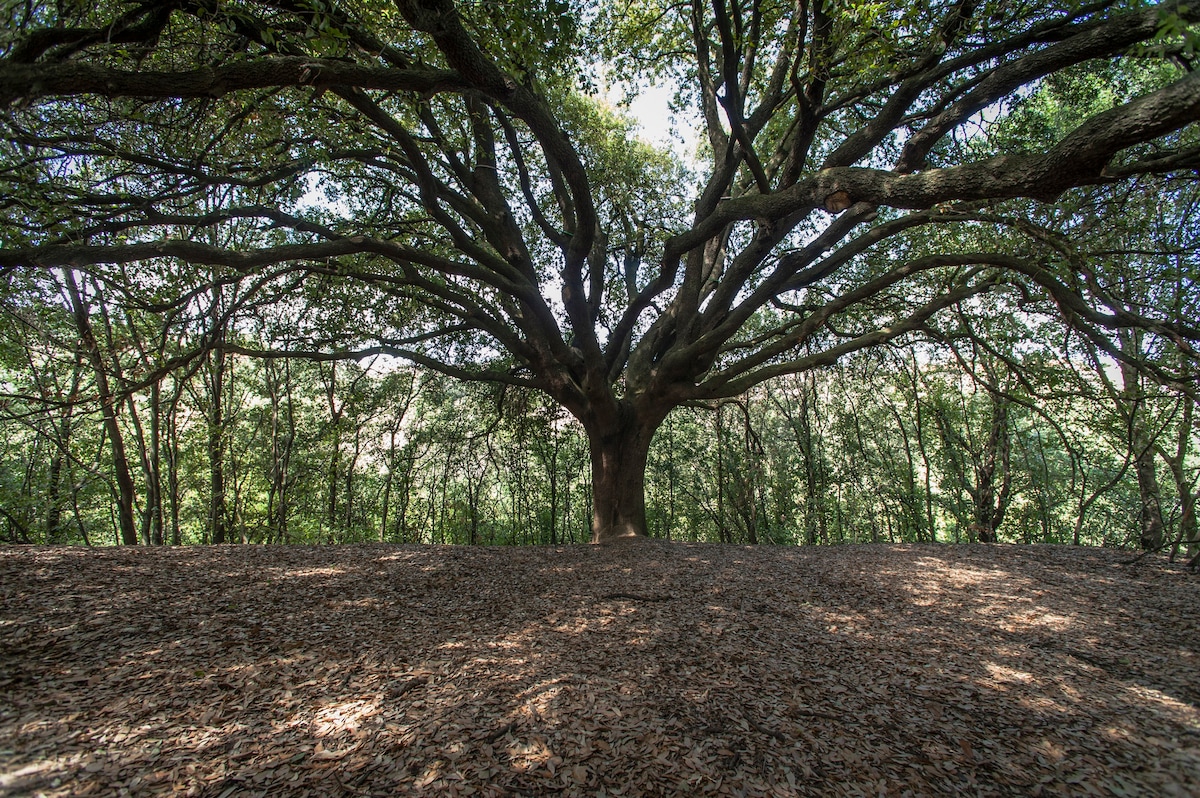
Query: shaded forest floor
[635,669]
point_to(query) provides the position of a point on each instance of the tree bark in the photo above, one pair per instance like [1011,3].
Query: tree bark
[55,532]
[216,448]
[619,455]
[1141,447]
[1189,530]
[172,448]
[991,504]
[154,502]
[126,492]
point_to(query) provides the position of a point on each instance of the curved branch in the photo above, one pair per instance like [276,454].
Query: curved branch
[396,349]
[728,383]
[1080,159]
[1113,36]
[33,81]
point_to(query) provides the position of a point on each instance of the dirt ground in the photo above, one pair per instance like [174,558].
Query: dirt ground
[634,669]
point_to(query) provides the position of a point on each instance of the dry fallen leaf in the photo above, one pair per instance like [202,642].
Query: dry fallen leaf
[638,669]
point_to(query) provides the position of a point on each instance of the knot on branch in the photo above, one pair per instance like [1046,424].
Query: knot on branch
[838,201]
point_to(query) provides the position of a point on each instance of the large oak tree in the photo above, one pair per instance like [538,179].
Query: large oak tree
[441,182]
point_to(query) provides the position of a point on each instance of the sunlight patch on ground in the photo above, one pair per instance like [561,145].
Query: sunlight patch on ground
[1179,711]
[361,604]
[343,716]
[12,778]
[293,573]
[541,699]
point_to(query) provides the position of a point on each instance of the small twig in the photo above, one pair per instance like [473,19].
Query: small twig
[758,727]
[814,713]
[635,597]
[496,734]
[1154,550]
[407,685]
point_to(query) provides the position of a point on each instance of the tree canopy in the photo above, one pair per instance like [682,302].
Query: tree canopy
[446,182]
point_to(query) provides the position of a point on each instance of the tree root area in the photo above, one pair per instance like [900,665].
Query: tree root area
[641,669]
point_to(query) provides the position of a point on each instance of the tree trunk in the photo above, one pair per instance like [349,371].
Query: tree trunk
[126,500]
[1141,445]
[154,501]
[991,504]
[216,448]
[619,455]
[1189,530]
[217,511]
[172,449]
[54,533]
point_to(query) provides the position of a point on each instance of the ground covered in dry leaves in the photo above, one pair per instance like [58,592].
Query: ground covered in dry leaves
[633,669]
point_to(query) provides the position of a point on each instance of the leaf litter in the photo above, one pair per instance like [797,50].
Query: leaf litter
[633,669]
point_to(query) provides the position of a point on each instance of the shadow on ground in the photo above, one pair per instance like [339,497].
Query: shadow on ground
[639,669]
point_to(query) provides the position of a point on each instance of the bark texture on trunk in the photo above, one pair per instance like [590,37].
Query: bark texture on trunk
[126,492]
[619,457]
[1141,447]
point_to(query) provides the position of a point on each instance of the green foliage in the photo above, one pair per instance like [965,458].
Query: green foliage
[280,251]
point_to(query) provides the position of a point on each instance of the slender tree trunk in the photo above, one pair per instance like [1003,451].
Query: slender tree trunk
[283,439]
[216,449]
[816,484]
[55,533]
[351,465]
[126,496]
[143,454]
[335,455]
[755,456]
[1148,492]
[154,502]
[722,532]
[1189,530]
[54,478]
[671,476]
[991,504]
[405,500]
[275,476]
[1141,447]
[386,500]
[549,454]
[172,450]
[926,465]
[331,492]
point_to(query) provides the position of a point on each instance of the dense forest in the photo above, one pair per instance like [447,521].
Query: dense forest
[895,445]
[318,272]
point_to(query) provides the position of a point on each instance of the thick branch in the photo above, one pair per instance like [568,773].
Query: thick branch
[1080,159]
[1114,36]
[32,81]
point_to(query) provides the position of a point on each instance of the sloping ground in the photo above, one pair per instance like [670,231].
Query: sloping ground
[636,669]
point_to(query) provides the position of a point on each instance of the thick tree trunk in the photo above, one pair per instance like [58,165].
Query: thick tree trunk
[619,456]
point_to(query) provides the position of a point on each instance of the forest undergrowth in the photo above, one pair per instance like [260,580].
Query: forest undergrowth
[629,669]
